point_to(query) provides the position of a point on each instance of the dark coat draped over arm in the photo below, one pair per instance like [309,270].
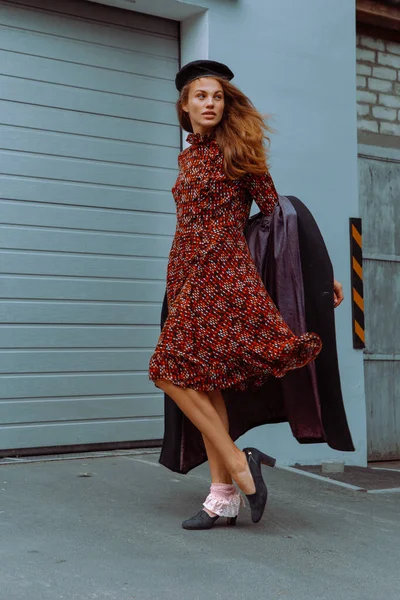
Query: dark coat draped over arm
[293,262]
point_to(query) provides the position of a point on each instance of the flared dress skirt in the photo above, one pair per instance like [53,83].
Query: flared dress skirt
[223,330]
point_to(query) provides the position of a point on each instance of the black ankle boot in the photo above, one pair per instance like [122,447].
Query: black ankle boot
[258,500]
[202,520]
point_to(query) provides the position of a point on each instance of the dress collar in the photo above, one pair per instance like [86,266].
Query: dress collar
[200,138]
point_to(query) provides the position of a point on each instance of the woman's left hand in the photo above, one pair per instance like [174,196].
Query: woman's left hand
[337,293]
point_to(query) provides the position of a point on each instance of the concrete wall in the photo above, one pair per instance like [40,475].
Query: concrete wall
[296,61]
[291,59]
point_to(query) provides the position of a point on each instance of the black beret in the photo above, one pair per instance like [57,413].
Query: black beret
[201,68]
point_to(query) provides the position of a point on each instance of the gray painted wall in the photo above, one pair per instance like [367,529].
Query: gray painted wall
[297,62]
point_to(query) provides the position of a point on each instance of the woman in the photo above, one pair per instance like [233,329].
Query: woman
[223,330]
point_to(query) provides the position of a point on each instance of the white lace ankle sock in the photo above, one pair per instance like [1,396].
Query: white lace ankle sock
[223,500]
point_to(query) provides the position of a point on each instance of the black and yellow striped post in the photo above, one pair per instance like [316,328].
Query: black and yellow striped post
[357,288]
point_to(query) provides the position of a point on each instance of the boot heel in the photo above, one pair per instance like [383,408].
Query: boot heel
[267,460]
[231,520]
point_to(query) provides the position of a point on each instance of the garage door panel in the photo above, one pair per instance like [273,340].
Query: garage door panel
[92,219]
[82,100]
[72,409]
[30,238]
[40,263]
[115,16]
[94,33]
[75,384]
[71,62]
[69,169]
[72,193]
[78,336]
[78,288]
[68,361]
[98,13]
[25,311]
[381,290]
[74,146]
[381,380]
[62,434]
[379,180]
[396,406]
[89,142]
[98,126]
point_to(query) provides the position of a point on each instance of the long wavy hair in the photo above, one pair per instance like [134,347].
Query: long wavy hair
[241,133]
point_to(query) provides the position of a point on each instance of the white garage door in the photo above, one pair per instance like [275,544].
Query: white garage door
[89,141]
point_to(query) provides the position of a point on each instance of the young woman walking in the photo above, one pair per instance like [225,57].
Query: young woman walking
[223,330]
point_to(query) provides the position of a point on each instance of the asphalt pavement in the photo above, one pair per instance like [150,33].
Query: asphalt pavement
[109,527]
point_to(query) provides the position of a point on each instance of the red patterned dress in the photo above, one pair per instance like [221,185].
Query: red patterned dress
[222,330]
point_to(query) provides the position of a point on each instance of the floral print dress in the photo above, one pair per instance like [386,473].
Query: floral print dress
[223,330]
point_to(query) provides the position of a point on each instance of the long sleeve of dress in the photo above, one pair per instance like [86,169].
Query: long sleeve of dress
[262,189]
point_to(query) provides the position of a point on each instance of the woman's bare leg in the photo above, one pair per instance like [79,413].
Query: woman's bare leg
[198,408]
[219,473]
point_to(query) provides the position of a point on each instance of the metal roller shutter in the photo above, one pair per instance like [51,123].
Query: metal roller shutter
[89,141]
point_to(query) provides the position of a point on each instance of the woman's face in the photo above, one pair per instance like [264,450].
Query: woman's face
[205,104]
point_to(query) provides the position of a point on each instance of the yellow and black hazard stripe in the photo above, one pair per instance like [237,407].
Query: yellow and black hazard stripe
[357,288]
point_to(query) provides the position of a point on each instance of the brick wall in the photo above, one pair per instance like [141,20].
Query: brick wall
[378,85]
